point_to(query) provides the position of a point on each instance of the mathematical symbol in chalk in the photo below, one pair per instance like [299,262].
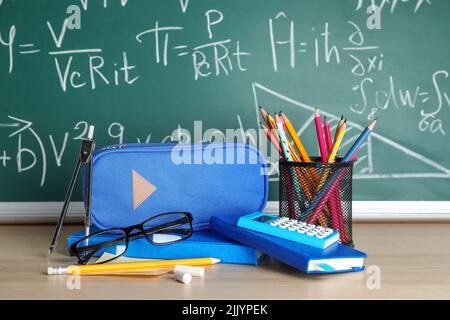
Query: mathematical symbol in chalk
[425,96]
[29,51]
[58,39]
[181,47]
[23,125]
[17,124]
[362,48]
[303,44]
[184,5]
[4,158]
[280,14]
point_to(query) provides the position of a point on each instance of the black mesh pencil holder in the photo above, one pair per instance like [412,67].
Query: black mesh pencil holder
[318,193]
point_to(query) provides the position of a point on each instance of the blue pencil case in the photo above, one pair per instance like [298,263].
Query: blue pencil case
[133,182]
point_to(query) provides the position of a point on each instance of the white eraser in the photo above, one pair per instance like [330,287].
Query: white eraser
[183,277]
[49,270]
[91,132]
[193,271]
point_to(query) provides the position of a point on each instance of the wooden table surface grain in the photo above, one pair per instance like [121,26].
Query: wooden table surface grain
[413,261]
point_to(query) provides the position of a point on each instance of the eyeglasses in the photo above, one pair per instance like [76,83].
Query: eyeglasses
[162,229]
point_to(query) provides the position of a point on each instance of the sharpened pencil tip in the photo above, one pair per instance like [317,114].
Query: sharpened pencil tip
[215,260]
[262,110]
[372,124]
[317,112]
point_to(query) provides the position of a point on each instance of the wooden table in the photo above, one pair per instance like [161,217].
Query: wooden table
[414,261]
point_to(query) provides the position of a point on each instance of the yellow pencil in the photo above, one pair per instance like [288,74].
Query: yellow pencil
[290,128]
[336,132]
[337,143]
[130,266]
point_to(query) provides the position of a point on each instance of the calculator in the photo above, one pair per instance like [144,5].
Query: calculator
[289,229]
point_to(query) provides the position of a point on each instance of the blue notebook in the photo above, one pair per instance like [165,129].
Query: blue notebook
[200,244]
[336,258]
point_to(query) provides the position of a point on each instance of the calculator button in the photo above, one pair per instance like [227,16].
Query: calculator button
[290,224]
[274,223]
[283,226]
[311,232]
[320,236]
[301,230]
[292,228]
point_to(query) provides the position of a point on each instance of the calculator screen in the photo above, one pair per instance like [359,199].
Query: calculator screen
[263,218]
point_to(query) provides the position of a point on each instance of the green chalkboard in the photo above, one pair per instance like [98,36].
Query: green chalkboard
[140,69]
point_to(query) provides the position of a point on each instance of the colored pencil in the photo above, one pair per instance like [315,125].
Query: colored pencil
[328,141]
[271,137]
[273,126]
[364,135]
[264,114]
[337,143]
[274,137]
[336,131]
[319,132]
[336,197]
[130,266]
[295,155]
[316,205]
[283,139]
[298,143]
[292,172]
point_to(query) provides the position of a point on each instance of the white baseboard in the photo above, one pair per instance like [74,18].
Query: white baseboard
[379,211]
[363,211]
[39,212]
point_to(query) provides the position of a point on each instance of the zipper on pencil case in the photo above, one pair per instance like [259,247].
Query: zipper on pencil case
[148,146]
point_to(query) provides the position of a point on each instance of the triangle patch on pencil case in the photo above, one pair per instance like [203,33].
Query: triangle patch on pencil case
[142,189]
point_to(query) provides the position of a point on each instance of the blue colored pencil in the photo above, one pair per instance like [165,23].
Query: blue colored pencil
[359,141]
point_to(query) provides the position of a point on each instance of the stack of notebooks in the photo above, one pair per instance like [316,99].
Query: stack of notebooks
[232,244]
[333,259]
